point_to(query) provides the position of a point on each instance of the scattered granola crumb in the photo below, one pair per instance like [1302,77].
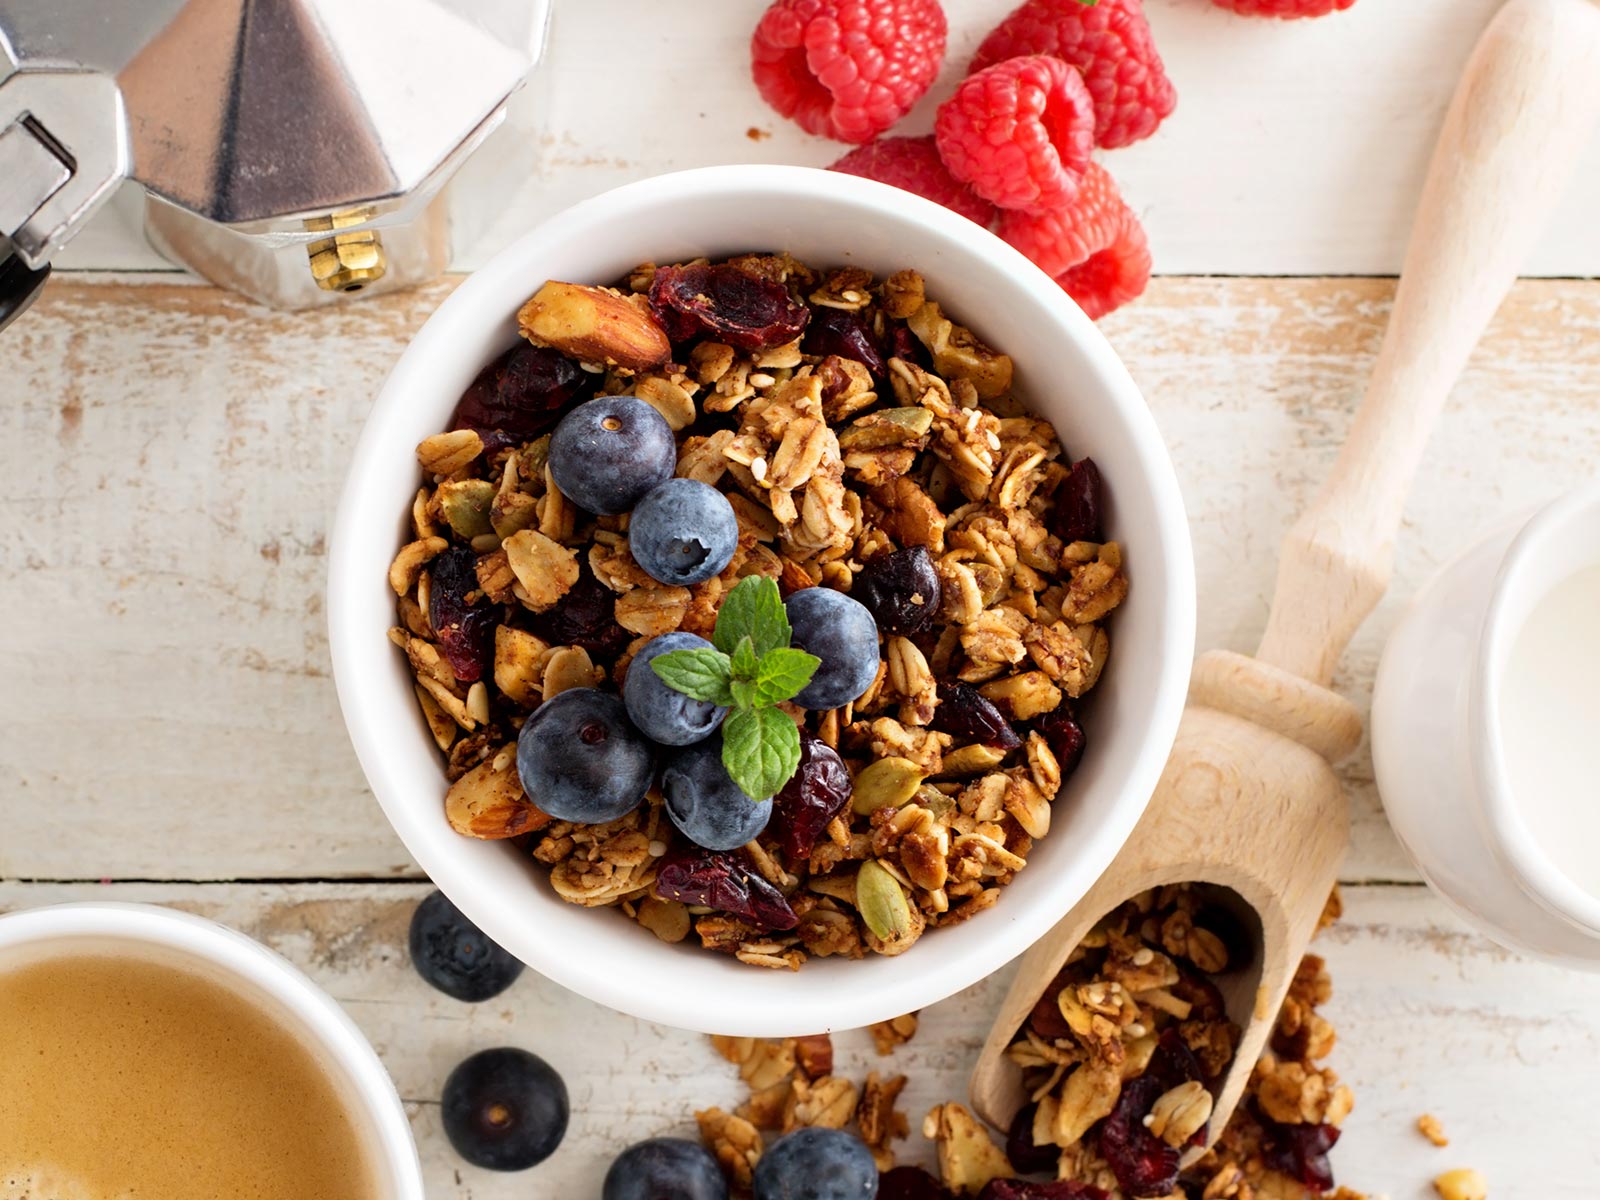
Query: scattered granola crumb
[756,134]
[1428,1126]
[886,1035]
[1461,1184]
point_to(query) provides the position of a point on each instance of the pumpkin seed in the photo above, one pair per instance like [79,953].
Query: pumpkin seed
[887,782]
[465,504]
[971,760]
[881,902]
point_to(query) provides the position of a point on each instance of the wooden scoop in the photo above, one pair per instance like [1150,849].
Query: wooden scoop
[1248,801]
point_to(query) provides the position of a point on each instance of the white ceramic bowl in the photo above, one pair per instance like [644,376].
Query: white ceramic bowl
[1071,376]
[263,978]
[1436,747]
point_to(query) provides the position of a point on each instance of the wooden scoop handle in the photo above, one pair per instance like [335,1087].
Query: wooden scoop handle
[1521,114]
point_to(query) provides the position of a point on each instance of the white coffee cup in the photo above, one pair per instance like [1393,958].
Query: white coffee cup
[260,977]
[1437,745]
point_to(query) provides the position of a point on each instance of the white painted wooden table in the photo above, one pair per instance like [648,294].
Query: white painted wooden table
[168,730]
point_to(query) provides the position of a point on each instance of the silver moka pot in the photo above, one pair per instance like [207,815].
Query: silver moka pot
[293,150]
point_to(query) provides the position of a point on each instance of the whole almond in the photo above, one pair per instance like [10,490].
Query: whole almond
[593,325]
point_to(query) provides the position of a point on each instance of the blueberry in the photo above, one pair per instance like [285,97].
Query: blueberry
[607,454]
[505,1109]
[455,956]
[581,759]
[842,633]
[705,804]
[683,532]
[662,714]
[665,1169]
[816,1164]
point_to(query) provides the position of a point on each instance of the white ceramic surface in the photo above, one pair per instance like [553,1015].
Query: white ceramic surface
[1066,369]
[1435,745]
[228,957]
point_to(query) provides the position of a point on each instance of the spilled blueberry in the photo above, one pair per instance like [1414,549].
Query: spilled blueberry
[455,956]
[505,1109]
[813,1163]
[665,1169]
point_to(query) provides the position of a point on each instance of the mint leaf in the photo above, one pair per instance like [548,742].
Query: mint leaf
[744,662]
[783,673]
[703,674]
[760,749]
[753,610]
[744,693]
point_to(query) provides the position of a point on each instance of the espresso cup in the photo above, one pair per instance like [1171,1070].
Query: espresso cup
[260,978]
[1439,736]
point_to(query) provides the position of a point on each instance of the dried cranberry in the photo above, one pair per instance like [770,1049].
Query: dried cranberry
[1055,1189]
[1300,1152]
[906,345]
[732,305]
[465,629]
[521,394]
[586,616]
[900,589]
[726,882]
[815,794]
[1143,1164]
[1078,504]
[1064,736]
[1173,1063]
[1024,1155]
[967,713]
[836,331]
[910,1183]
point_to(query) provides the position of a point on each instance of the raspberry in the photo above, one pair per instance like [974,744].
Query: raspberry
[1110,43]
[914,165]
[847,69]
[1285,8]
[1063,237]
[1020,133]
[1114,276]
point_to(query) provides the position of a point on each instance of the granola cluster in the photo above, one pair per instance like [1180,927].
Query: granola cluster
[792,1084]
[1109,1116]
[1124,1052]
[884,426]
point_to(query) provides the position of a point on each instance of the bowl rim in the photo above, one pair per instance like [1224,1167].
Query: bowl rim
[243,959]
[936,976]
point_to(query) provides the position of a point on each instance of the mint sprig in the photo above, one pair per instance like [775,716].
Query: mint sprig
[749,667]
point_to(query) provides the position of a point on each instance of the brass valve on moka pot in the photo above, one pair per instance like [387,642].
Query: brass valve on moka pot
[292,150]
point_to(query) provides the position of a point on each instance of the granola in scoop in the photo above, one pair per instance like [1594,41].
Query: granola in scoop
[865,443]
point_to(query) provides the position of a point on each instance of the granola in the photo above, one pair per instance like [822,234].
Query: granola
[1122,1055]
[833,454]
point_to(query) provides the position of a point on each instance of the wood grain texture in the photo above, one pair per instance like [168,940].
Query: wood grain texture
[1526,103]
[1430,1019]
[1298,147]
[172,455]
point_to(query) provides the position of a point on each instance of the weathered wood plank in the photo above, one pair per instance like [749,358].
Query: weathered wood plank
[1297,147]
[1431,1019]
[173,454]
